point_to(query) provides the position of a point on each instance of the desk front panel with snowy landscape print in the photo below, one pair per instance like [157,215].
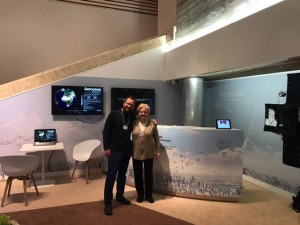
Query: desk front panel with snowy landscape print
[198,162]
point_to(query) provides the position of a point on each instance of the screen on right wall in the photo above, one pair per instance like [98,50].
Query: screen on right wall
[141,95]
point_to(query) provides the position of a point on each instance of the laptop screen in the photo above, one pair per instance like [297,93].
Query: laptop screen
[223,124]
[44,137]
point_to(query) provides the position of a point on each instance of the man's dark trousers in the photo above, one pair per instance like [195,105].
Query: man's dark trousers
[117,167]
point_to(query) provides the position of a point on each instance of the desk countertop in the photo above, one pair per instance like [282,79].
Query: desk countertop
[33,148]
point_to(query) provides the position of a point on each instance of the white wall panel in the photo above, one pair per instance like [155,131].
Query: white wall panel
[268,36]
[148,65]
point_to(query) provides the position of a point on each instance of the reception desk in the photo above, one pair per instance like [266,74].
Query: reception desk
[198,162]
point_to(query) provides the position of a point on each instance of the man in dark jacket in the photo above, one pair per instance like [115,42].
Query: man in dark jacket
[118,149]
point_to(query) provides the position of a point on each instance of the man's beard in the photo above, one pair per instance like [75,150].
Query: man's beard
[125,109]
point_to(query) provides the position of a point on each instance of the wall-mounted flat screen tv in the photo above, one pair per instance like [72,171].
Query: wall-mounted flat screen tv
[141,95]
[77,100]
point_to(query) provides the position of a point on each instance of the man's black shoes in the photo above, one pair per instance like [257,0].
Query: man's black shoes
[123,200]
[108,210]
[140,199]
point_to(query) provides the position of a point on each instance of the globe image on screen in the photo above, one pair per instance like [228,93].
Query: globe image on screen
[65,98]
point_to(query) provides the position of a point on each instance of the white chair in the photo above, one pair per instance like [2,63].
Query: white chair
[19,167]
[86,152]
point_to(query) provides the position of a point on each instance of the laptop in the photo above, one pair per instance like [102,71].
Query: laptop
[223,124]
[44,137]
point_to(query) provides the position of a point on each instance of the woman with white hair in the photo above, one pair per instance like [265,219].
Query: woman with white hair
[146,146]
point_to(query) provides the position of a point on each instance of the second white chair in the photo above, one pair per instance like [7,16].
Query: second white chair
[85,152]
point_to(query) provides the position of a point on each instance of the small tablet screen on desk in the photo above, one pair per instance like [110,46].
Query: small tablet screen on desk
[223,124]
[44,137]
